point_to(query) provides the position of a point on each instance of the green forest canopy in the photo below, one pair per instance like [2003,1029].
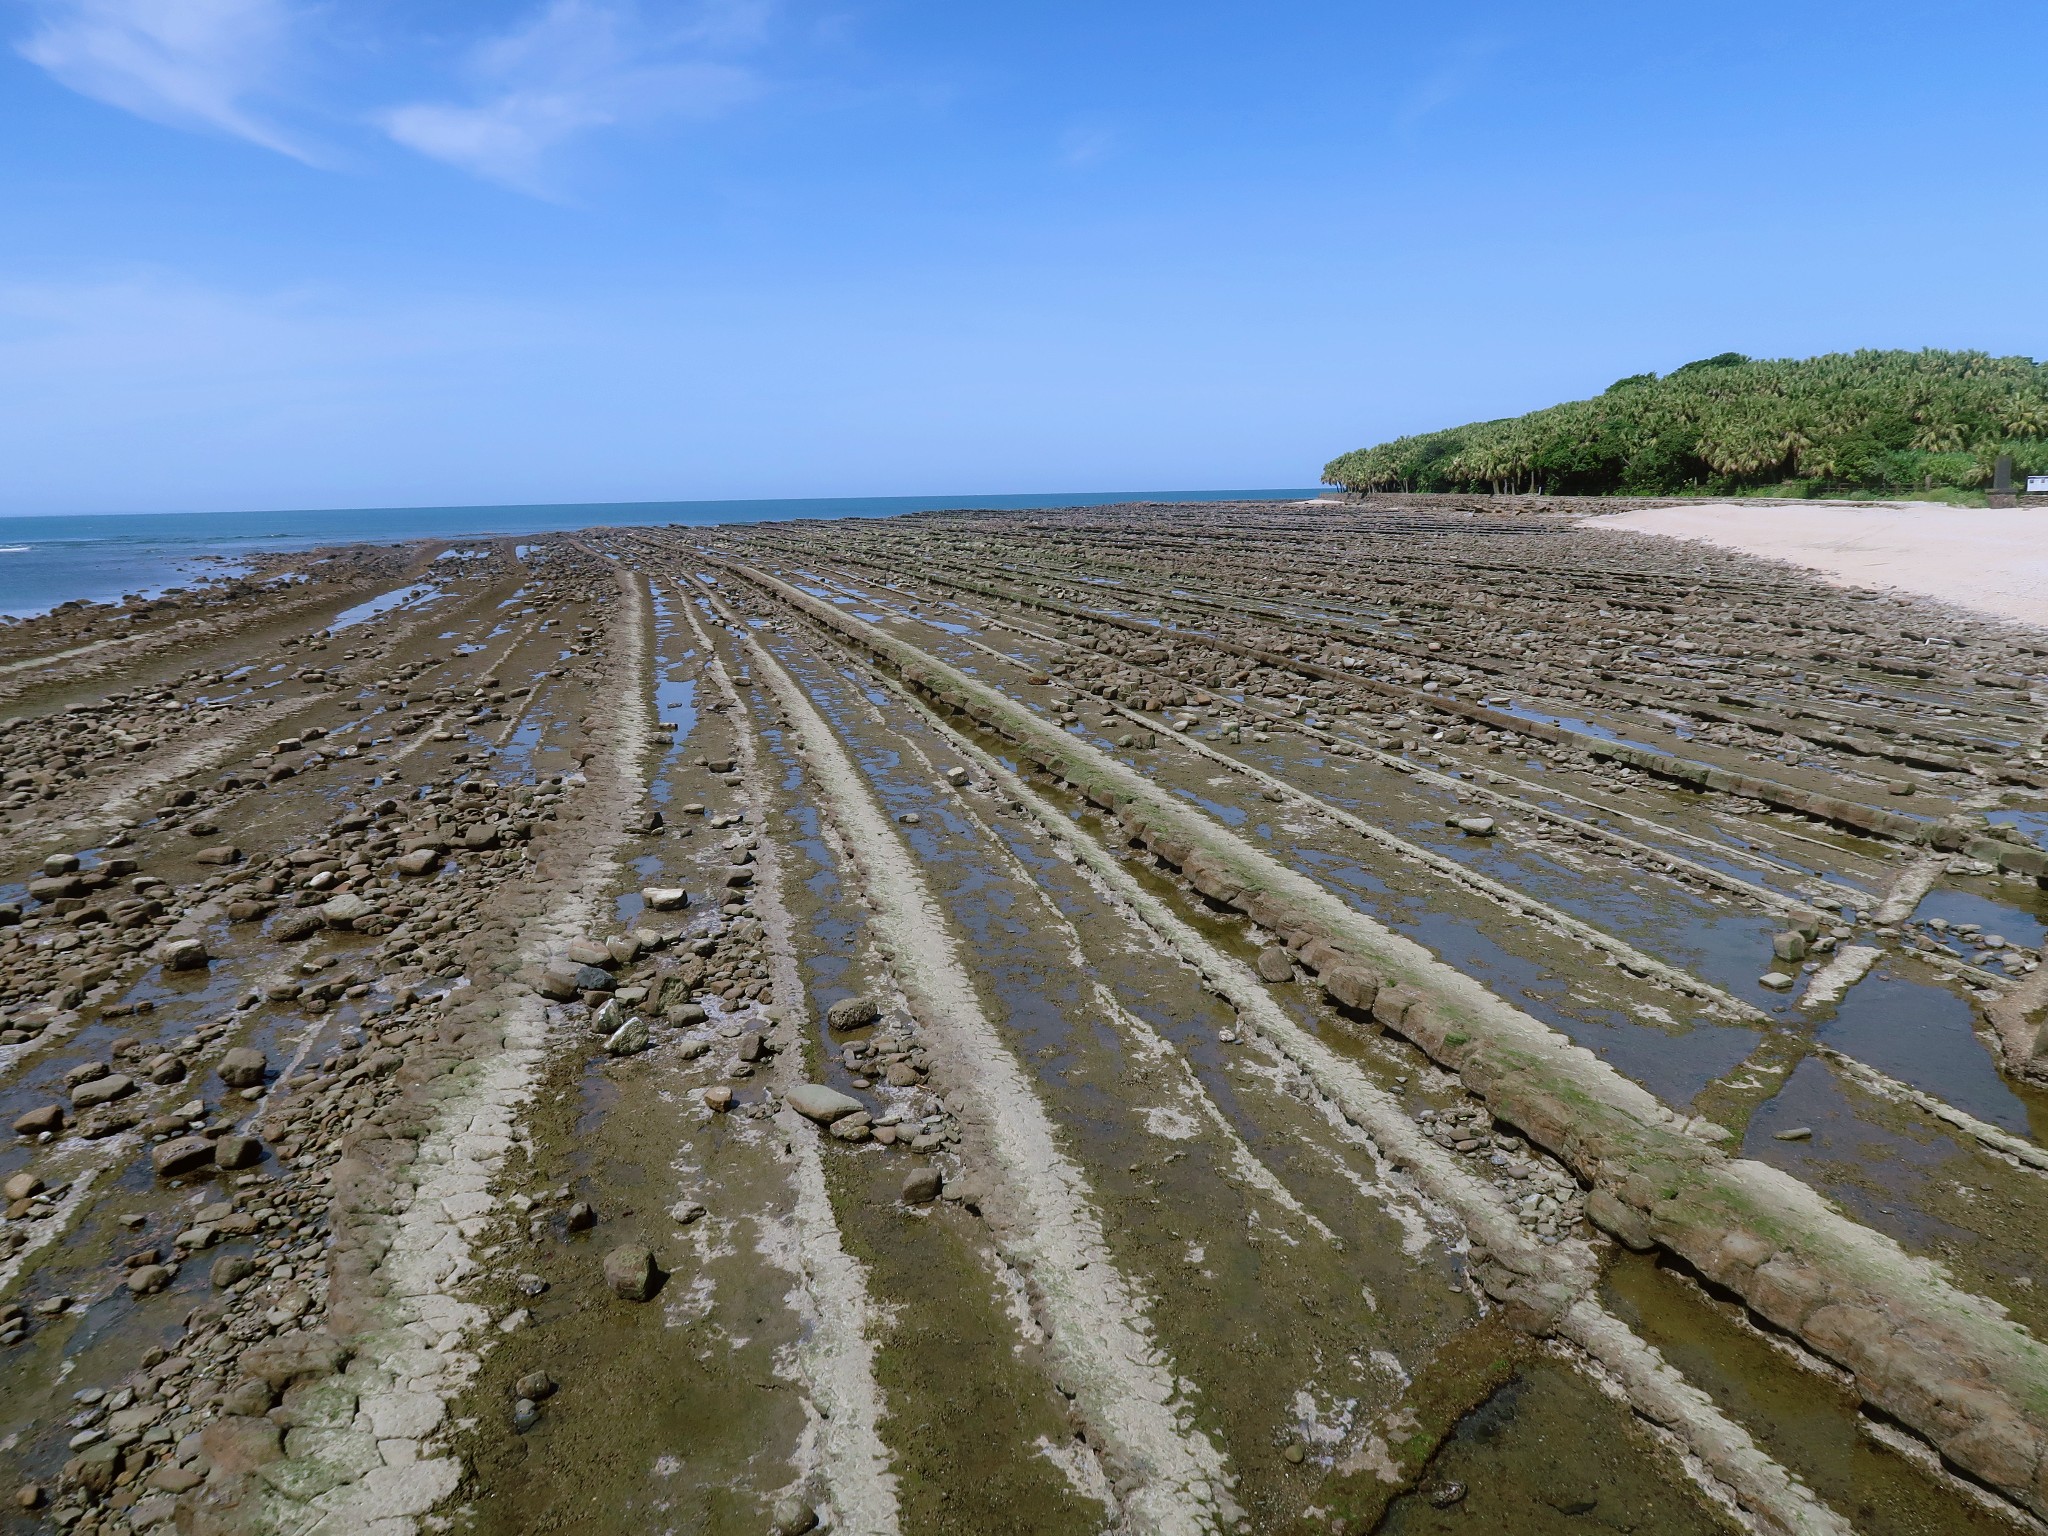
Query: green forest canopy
[1900,421]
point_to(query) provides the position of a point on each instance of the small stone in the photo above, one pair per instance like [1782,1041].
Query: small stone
[1294,1453]
[104,1090]
[853,1012]
[922,1185]
[1444,1495]
[814,1101]
[1474,826]
[524,1415]
[629,1039]
[581,1218]
[50,1117]
[631,1273]
[665,898]
[792,1516]
[718,1099]
[1789,945]
[1275,964]
[147,1279]
[237,1152]
[1777,981]
[231,1268]
[1795,1133]
[186,1154]
[29,1496]
[242,1067]
[21,1186]
[294,926]
[421,861]
[343,910]
[535,1386]
[94,1469]
[184,954]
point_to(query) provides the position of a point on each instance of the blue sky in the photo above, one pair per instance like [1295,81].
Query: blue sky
[269,253]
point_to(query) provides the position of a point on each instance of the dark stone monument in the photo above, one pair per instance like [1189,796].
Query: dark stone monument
[2001,482]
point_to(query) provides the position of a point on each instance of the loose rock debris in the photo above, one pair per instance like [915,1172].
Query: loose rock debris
[641,968]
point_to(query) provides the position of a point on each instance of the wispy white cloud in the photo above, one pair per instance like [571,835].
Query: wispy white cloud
[1464,72]
[580,65]
[1085,143]
[188,63]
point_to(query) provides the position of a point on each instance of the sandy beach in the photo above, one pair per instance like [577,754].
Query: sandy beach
[1994,560]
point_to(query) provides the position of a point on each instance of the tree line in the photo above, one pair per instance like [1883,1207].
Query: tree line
[1871,420]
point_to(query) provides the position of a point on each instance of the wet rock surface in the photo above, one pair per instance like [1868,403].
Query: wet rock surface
[594,976]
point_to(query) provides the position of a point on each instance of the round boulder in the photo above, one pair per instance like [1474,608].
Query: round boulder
[1275,964]
[631,1273]
[184,954]
[242,1067]
[853,1012]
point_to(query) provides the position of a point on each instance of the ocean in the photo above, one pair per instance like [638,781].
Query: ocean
[45,561]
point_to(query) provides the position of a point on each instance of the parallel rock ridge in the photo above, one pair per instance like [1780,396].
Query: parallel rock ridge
[1940,1361]
[873,1026]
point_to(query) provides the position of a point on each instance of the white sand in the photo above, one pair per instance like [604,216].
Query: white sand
[1994,560]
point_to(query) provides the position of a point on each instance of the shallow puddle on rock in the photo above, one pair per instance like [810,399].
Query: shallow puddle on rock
[2016,911]
[1547,1456]
[1868,1167]
[1673,1060]
[1805,1420]
[1924,1035]
[1905,1175]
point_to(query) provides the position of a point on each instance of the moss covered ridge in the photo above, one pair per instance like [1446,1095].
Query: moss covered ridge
[1950,1365]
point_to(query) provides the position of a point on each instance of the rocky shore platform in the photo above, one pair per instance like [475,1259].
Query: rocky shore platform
[1165,1018]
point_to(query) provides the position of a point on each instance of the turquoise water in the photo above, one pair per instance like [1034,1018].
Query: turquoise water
[45,561]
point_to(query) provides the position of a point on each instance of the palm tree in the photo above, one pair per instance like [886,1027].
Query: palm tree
[1938,437]
[1822,417]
